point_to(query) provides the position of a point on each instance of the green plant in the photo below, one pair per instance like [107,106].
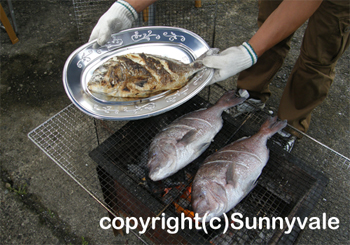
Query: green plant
[52,214]
[84,242]
[22,189]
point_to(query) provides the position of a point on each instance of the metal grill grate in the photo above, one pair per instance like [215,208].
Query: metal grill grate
[114,154]
[87,13]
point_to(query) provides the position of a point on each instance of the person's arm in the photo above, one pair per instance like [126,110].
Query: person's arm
[285,20]
[140,5]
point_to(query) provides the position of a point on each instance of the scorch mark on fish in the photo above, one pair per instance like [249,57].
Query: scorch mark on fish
[141,75]
[199,119]
[242,152]
[221,181]
[187,138]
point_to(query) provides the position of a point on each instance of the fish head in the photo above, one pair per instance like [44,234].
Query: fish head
[161,161]
[100,85]
[208,198]
[98,82]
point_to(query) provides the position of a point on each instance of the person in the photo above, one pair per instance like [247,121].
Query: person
[257,61]
[325,40]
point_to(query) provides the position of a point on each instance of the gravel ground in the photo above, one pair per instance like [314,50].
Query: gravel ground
[40,204]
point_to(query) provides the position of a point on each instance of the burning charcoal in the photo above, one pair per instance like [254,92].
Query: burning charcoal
[179,209]
[171,195]
[184,203]
[156,188]
[175,180]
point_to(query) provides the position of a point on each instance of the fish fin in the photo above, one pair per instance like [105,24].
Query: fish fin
[212,51]
[188,138]
[191,137]
[230,176]
[272,126]
[229,99]
[198,62]
[249,188]
[203,147]
[243,138]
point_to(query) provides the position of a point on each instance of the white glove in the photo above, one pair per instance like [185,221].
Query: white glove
[231,61]
[118,17]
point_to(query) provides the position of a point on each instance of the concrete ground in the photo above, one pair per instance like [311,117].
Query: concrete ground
[40,204]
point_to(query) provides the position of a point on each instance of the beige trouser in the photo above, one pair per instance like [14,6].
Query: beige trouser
[325,40]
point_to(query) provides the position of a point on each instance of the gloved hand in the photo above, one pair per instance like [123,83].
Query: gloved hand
[118,17]
[231,61]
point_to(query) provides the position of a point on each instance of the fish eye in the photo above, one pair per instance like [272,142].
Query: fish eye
[203,194]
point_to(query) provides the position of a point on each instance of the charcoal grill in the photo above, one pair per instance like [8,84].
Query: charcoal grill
[285,188]
[107,159]
[116,152]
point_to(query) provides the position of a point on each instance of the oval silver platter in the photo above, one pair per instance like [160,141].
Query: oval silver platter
[171,42]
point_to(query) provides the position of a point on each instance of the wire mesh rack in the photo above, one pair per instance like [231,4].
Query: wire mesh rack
[198,18]
[297,184]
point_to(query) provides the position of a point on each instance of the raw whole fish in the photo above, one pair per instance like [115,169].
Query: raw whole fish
[187,138]
[229,174]
[142,75]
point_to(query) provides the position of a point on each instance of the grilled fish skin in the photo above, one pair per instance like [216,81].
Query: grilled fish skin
[186,138]
[229,174]
[141,75]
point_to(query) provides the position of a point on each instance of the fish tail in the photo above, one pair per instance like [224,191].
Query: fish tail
[229,99]
[272,126]
[212,51]
[198,64]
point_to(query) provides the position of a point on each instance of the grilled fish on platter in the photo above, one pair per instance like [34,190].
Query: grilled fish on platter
[187,138]
[141,75]
[229,174]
